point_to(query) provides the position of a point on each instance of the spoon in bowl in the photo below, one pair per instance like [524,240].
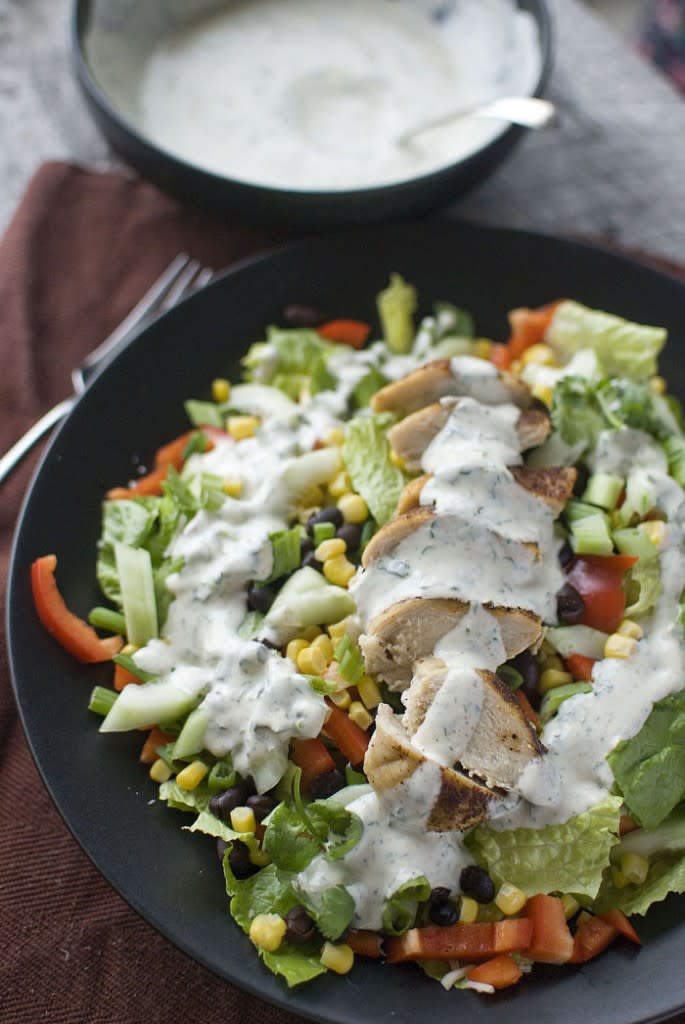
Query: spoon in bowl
[527,111]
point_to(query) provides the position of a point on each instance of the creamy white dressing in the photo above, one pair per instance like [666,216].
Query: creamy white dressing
[313,94]
[388,855]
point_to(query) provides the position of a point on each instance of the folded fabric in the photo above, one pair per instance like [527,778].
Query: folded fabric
[82,248]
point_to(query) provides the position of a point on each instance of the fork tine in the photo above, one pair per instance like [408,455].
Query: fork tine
[182,285]
[151,301]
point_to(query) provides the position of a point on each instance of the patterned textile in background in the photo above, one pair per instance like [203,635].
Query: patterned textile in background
[662,38]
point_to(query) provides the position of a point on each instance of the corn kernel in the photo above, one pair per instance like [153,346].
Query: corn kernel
[337,630]
[551,678]
[359,715]
[571,905]
[510,899]
[539,355]
[242,427]
[294,647]
[655,530]
[340,484]
[634,868]
[330,549]
[631,629]
[369,692]
[339,570]
[130,649]
[259,857]
[310,633]
[221,390]
[311,661]
[657,385]
[354,509]
[267,931]
[160,771]
[323,643]
[618,646]
[396,459]
[515,366]
[233,487]
[482,348]
[618,878]
[339,959]
[192,775]
[469,910]
[311,499]
[243,819]
[334,438]
[553,661]
[543,392]
[341,699]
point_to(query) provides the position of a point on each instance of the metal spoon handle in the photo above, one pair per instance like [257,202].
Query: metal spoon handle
[528,111]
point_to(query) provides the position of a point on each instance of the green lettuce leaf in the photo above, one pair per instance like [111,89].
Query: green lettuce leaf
[664,847]
[647,574]
[128,521]
[293,840]
[625,349]
[633,404]
[559,858]
[295,964]
[366,454]
[180,799]
[399,911]
[649,768]
[332,910]
[576,414]
[291,360]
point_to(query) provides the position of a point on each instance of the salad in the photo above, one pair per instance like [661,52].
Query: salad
[404,622]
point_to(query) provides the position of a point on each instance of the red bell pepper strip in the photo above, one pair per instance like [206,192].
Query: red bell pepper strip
[580,667]
[346,332]
[365,943]
[122,678]
[500,972]
[525,705]
[551,941]
[350,740]
[592,937]
[479,941]
[501,356]
[170,454]
[529,327]
[599,581]
[312,759]
[620,922]
[71,632]
[156,738]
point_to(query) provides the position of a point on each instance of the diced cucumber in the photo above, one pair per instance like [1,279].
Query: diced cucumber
[590,536]
[306,599]
[396,306]
[151,703]
[317,467]
[604,490]
[640,497]
[635,541]
[192,736]
[204,414]
[134,567]
[553,699]
[577,640]
[260,400]
[575,510]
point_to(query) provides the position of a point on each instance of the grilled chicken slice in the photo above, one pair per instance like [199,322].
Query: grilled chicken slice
[411,436]
[390,760]
[554,486]
[503,743]
[408,631]
[395,531]
[439,379]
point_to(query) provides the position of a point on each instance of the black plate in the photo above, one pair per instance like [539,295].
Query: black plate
[172,878]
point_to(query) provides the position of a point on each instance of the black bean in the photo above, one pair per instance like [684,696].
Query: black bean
[529,667]
[477,884]
[329,514]
[260,599]
[327,784]
[262,804]
[444,913]
[566,554]
[223,803]
[439,894]
[239,860]
[351,533]
[312,561]
[299,926]
[299,315]
[570,605]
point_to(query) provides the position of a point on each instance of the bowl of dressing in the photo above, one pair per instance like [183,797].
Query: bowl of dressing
[294,111]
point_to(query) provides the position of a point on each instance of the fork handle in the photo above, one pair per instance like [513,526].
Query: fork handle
[24,445]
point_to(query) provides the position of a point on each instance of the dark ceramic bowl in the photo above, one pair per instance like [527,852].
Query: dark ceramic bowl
[258,202]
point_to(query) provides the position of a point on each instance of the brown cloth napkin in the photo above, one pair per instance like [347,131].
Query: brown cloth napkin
[82,248]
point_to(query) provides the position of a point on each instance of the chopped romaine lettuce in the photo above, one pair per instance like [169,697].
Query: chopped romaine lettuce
[625,349]
[292,360]
[399,911]
[558,858]
[650,767]
[366,454]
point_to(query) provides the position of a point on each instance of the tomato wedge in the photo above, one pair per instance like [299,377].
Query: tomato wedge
[599,581]
[528,327]
[580,667]
[350,740]
[71,632]
[346,332]
[312,759]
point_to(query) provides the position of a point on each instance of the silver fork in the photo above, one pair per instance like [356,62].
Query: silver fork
[180,278]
